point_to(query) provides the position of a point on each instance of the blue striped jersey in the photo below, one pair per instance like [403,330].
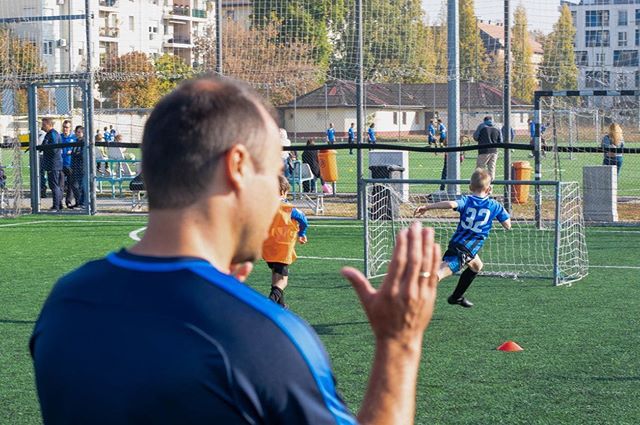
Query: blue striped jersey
[476,220]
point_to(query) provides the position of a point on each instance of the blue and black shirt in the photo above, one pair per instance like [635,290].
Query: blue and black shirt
[134,339]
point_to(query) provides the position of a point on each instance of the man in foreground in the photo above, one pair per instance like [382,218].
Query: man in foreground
[166,333]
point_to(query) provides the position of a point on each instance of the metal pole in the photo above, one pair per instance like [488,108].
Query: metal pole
[556,245]
[506,105]
[87,153]
[453,108]
[90,145]
[537,116]
[365,216]
[295,114]
[34,160]
[399,110]
[359,111]
[219,69]
[326,106]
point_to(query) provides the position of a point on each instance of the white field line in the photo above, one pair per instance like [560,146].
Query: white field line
[135,234]
[27,223]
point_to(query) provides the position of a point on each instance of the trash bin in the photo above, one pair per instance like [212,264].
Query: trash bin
[520,170]
[328,165]
[383,205]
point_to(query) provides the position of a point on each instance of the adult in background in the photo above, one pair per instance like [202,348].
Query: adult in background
[351,133]
[43,173]
[613,139]
[77,168]
[67,137]
[311,158]
[287,164]
[371,133]
[52,159]
[331,134]
[486,135]
[166,332]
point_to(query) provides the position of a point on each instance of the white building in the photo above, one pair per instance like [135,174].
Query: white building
[607,43]
[153,27]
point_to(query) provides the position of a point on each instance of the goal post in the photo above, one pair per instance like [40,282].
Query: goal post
[547,243]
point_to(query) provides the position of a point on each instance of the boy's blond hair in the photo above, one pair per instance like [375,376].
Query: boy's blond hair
[480,180]
[285,187]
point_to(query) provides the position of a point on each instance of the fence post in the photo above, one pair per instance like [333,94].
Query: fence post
[34,163]
[360,117]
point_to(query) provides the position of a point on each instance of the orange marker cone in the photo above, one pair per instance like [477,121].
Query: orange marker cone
[510,346]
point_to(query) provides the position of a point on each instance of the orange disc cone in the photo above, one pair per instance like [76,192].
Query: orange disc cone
[510,346]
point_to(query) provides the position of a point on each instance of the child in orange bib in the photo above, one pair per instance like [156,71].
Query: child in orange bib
[278,250]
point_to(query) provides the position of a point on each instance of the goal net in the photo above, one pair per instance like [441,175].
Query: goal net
[548,244]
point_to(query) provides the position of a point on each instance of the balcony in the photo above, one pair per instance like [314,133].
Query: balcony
[199,13]
[108,3]
[179,42]
[109,32]
[184,13]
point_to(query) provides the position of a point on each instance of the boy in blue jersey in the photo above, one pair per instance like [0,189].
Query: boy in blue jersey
[352,137]
[442,129]
[372,134]
[477,212]
[278,250]
[431,133]
[331,134]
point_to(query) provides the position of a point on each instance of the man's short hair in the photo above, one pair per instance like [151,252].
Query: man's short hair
[480,179]
[78,127]
[188,132]
[487,118]
[47,120]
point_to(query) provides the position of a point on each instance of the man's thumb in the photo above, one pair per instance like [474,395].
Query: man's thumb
[359,282]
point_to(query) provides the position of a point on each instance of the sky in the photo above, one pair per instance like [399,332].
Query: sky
[541,14]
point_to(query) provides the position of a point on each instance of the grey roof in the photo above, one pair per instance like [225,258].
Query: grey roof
[343,94]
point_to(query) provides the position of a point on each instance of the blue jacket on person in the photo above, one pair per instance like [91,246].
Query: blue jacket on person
[443,131]
[52,158]
[372,135]
[67,152]
[352,134]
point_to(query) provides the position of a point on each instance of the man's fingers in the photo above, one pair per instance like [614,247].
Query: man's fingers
[360,284]
[436,260]
[415,257]
[398,262]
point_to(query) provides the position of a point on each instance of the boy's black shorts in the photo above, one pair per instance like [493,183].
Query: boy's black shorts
[280,268]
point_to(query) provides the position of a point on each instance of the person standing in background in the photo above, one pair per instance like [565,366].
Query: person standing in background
[331,134]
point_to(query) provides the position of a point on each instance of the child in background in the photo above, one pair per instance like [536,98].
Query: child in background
[477,212]
[278,250]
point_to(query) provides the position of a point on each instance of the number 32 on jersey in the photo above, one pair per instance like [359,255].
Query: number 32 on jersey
[474,219]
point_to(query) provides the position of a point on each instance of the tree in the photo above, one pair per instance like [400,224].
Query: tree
[558,69]
[170,70]
[473,57]
[129,81]
[281,70]
[20,62]
[523,78]
[395,45]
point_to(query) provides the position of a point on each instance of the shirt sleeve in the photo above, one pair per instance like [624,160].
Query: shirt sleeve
[299,216]
[501,214]
[461,201]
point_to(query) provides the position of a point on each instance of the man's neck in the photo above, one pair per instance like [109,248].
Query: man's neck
[185,233]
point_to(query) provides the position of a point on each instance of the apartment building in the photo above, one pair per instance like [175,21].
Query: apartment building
[607,43]
[153,27]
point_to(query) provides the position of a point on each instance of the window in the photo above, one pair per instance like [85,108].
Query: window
[404,118]
[600,58]
[622,18]
[230,15]
[597,38]
[638,79]
[574,18]
[132,23]
[597,79]
[47,47]
[622,39]
[597,18]
[582,58]
[637,16]
[395,118]
[625,58]
[637,37]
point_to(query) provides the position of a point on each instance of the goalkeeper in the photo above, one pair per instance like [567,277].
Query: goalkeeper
[477,212]
[278,250]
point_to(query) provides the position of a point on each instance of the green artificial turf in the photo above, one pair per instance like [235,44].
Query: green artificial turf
[579,363]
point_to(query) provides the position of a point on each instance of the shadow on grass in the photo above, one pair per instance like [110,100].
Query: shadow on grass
[18,322]
[329,328]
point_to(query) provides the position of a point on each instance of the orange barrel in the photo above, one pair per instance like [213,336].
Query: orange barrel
[520,170]
[328,165]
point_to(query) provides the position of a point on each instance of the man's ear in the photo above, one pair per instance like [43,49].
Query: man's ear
[237,163]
